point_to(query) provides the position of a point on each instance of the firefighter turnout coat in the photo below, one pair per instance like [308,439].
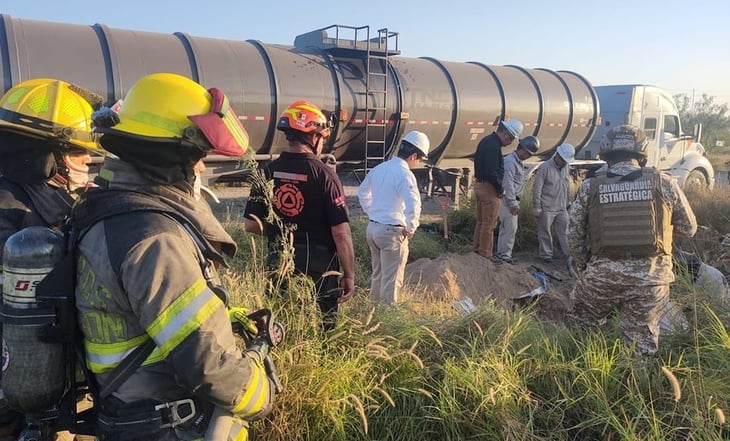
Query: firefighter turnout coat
[139,276]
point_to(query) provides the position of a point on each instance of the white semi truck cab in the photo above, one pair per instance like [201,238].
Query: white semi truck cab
[655,112]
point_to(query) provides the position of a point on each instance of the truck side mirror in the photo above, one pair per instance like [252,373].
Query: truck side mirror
[669,139]
[697,132]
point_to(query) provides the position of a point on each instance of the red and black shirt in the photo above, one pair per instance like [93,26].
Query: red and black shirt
[306,193]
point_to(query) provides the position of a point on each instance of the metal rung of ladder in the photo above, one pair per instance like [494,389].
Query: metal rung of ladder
[376,94]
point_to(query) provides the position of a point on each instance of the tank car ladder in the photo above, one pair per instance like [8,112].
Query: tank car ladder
[376,95]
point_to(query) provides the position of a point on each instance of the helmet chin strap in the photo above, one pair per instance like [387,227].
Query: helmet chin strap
[311,141]
[317,139]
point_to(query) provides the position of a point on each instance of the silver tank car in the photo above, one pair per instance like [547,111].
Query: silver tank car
[356,72]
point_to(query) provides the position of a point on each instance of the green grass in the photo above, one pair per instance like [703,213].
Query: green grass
[422,372]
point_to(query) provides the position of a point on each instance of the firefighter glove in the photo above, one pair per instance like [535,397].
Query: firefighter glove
[240,315]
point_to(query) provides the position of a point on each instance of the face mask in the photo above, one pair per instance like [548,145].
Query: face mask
[197,186]
[78,170]
[198,169]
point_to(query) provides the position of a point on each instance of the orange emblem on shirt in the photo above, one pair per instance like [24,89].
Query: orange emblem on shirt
[289,200]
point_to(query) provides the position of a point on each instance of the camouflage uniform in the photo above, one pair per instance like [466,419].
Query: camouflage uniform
[638,288]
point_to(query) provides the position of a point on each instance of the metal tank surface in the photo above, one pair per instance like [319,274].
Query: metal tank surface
[355,72]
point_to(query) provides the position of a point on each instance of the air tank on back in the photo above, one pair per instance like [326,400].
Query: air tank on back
[356,72]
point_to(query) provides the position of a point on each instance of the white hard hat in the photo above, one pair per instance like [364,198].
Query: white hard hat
[513,126]
[418,140]
[567,152]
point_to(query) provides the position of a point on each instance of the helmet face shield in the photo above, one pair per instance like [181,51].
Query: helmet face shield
[221,126]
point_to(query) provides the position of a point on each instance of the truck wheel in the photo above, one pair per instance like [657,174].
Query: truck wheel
[696,181]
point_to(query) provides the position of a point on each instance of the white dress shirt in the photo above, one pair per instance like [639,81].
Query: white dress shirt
[389,195]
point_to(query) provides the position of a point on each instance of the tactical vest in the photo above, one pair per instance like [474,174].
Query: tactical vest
[628,216]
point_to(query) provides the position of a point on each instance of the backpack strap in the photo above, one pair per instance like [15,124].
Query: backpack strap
[27,317]
[205,251]
[127,367]
[52,203]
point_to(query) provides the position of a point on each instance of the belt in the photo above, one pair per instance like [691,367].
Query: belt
[162,416]
[390,225]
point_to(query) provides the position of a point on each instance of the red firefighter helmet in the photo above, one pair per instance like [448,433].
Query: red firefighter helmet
[306,117]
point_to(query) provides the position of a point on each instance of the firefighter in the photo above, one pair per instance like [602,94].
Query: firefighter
[620,235]
[308,203]
[147,287]
[45,146]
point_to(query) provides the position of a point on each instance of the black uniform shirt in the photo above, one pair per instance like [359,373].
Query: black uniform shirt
[306,193]
[489,162]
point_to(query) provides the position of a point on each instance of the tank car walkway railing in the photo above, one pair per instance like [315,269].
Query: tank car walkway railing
[377,49]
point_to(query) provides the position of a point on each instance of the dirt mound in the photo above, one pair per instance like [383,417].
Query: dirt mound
[454,277]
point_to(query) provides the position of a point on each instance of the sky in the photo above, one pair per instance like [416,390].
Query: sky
[681,46]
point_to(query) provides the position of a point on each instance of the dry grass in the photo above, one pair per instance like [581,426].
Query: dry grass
[712,210]
[719,157]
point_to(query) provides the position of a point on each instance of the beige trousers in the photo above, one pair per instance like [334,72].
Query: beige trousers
[389,253]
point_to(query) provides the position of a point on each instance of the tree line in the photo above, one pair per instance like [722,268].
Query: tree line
[714,117]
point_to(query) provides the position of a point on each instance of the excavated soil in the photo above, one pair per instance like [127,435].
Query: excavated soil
[455,277]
